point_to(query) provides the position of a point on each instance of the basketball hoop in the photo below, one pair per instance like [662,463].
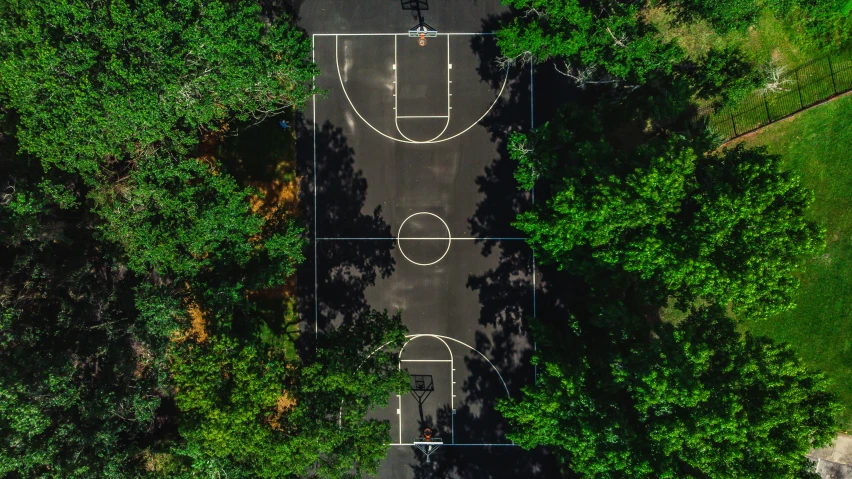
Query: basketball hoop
[422,31]
[427,444]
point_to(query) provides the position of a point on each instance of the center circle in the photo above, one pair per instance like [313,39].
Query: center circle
[420,231]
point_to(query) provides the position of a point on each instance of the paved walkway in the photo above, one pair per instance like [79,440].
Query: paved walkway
[835,462]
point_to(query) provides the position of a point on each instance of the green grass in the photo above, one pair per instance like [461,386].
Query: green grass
[817,145]
[819,79]
[768,39]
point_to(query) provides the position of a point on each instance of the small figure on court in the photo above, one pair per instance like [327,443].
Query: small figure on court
[283,124]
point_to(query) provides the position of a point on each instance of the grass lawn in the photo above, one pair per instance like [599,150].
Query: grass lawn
[767,39]
[817,144]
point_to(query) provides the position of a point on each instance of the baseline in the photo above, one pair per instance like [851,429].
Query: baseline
[414,142]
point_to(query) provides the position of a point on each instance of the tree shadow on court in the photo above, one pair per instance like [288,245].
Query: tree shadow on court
[506,290]
[477,420]
[507,346]
[344,269]
[272,10]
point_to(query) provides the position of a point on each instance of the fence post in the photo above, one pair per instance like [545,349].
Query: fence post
[830,69]
[734,124]
[766,104]
[799,88]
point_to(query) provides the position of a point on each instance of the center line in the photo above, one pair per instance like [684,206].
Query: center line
[432,239]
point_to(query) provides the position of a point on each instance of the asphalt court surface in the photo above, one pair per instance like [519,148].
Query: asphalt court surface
[406,178]
[410,173]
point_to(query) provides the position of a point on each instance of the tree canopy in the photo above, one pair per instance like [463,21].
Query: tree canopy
[723,226]
[587,36]
[251,412]
[696,400]
[136,337]
[601,43]
[76,392]
[99,82]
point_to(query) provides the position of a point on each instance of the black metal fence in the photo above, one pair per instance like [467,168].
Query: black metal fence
[811,83]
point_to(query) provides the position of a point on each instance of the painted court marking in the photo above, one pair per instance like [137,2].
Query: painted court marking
[437,139]
[394,238]
[448,239]
[396,97]
[443,339]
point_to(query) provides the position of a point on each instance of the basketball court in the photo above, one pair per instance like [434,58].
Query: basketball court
[414,197]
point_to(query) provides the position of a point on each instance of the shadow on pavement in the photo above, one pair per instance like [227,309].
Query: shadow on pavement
[345,269]
[506,299]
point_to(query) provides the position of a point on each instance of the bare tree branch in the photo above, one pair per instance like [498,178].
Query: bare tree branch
[584,76]
[506,62]
[533,11]
[618,41]
[775,78]
[522,148]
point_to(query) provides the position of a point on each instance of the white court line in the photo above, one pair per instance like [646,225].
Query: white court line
[399,413]
[412,337]
[393,238]
[448,239]
[415,336]
[409,117]
[452,380]
[396,96]
[454,444]
[346,94]
[452,383]
[397,34]
[426,360]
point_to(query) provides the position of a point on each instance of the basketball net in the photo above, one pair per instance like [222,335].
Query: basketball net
[422,40]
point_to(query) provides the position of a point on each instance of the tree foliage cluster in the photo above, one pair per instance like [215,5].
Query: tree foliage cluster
[824,24]
[700,401]
[249,411]
[612,43]
[102,81]
[132,342]
[692,224]
[637,201]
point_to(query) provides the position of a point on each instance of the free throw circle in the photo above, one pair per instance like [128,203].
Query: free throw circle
[400,238]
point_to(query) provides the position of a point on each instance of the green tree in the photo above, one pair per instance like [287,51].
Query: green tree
[813,23]
[723,15]
[719,226]
[698,400]
[251,412]
[183,217]
[593,42]
[611,42]
[95,82]
[79,387]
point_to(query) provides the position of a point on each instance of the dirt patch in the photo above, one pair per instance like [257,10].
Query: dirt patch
[143,357]
[284,404]
[278,198]
[286,290]
[197,329]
